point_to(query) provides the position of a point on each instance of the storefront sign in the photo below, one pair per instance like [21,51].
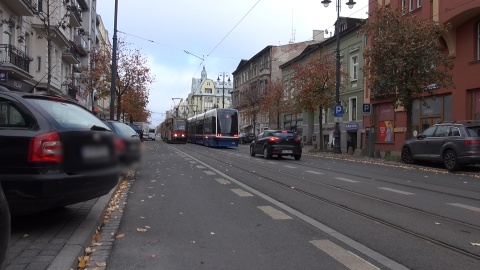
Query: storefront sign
[17,85]
[3,76]
[351,126]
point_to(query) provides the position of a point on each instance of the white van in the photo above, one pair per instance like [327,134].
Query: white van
[152,133]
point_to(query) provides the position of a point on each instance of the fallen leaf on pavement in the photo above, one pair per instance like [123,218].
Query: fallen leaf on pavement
[141,230]
[82,261]
[120,235]
[101,264]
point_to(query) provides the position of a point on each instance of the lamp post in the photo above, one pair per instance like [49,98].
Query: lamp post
[223,74]
[114,64]
[337,149]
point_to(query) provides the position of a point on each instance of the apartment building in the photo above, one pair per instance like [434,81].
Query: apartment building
[28,27]
[462,44]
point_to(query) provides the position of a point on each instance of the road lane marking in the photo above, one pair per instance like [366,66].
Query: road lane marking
[381,259]
[241,192]
[222,181]
[314,172]
[397,191]
[200,167]
[345,257]
[193,162]
[209,172]
[291,167]
[346,180]
[476,209]
[271,162]
[274,213]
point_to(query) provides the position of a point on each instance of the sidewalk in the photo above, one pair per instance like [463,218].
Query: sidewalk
[56,239]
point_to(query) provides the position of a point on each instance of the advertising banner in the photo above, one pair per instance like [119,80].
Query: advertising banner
[385,131]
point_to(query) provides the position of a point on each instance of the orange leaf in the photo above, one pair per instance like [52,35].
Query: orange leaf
[120,235]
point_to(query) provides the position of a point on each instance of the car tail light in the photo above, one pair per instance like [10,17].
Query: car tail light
[274,139]
[298,140]
[219,135]
[471,142]
[235,135]
[45,148]
[119,145]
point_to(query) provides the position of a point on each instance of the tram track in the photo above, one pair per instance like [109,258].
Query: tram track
[378,220]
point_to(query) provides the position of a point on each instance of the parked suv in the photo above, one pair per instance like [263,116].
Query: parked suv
[53,152]
[454,143]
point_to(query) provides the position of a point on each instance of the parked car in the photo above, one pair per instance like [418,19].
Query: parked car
[454,143]
[152,133]
[244,138]
[4,229]
[137,129]
[277,142]
[53,152]
[127,142]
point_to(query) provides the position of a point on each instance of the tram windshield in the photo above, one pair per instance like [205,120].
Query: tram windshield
[179,125]
[227,122]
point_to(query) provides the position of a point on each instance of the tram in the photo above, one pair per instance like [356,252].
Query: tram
[214,128]
[173,130]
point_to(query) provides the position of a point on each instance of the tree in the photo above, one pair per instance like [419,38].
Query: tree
[251,101]
[275,102]
[135,105]
[405,61]
[313,85]
[133,74]
[54,16]
[96,76]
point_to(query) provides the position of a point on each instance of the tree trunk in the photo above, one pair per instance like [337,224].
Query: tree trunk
[311,125]
[408,110]
[119,106]
[320,127]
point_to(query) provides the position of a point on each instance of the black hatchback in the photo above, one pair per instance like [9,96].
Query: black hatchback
[53,152]
[277,142]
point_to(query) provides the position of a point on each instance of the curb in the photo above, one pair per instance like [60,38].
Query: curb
[67,258]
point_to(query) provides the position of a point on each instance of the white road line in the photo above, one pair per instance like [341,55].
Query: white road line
[193,162]
[274,213]
[346,180]
[314,172]
[397,191]
[241,192]
[271,162]
[200,167]
[222,181]
[209,172]
[476,209]
[345,257]
[291,167]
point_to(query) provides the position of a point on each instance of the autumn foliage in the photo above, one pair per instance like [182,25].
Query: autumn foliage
[404,58]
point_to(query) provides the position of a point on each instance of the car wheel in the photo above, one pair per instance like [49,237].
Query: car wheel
[297,157]
[450,160]
[407,156]
[266,153]
[252,153]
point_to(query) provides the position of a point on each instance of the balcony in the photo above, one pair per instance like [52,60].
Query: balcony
[11,55]
[70,55]
[81,45]
[75,16]
[21,7]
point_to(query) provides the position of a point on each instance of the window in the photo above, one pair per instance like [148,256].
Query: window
[478,41]
[354,68]
[404,3]
[419,3]
[410,5]
[10,116]
[39,63]
[208,90]
[353,109]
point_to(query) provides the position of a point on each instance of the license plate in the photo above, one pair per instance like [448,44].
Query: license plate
[95,152]
[287,151]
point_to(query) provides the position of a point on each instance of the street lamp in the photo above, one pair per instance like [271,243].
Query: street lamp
[224,74]
[337,149]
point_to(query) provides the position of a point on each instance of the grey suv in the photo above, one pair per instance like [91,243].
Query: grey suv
[453,143]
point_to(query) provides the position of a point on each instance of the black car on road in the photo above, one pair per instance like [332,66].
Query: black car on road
[452,143]
[53,152]
[244,138]
[277,143]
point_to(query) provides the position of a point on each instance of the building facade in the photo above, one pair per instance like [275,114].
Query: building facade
[462,44]
[252,78]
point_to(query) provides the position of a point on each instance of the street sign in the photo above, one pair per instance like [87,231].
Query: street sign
[367,109]
[338,111]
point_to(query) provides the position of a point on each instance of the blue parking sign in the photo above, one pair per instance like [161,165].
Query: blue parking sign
[338,111]
[367,108]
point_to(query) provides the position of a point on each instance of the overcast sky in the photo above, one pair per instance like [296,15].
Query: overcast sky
[222,32]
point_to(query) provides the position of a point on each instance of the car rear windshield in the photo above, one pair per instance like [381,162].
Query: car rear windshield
[123,129]
[284,134]
[68,115]
[473,131]
[152,130]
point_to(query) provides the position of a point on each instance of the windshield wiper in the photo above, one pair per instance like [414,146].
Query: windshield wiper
[99,128]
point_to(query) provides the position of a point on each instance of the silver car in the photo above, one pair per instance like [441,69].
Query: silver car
[454,143]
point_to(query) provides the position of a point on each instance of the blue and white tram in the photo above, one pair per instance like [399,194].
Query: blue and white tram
[215,128]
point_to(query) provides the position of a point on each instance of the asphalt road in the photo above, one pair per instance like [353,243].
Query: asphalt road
[193,207]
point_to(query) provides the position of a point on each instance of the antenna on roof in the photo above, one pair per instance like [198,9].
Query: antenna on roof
[292,40]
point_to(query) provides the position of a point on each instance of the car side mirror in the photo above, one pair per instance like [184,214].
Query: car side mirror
[421,136]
